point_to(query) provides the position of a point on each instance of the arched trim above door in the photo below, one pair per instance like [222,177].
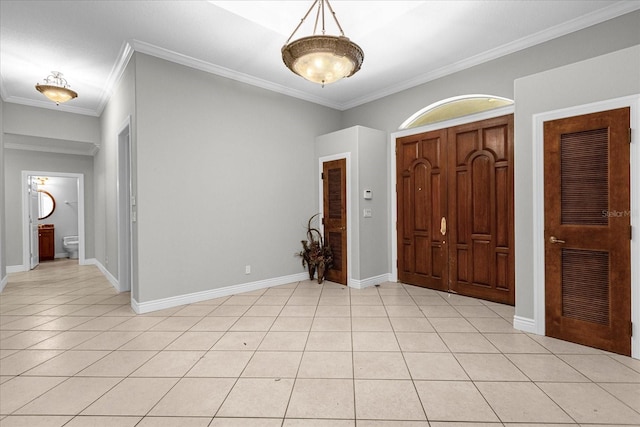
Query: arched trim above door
[455,107]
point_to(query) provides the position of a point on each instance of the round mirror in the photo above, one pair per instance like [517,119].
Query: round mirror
[46,204]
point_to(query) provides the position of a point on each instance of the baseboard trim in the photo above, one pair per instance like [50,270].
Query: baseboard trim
[4,282]
[110,277]
[170,302]
[17,268]
[525,324]
[371,281]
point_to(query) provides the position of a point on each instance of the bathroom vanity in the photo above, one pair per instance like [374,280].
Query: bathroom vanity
[46,242]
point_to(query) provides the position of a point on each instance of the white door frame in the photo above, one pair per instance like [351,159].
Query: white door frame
[538,207]
[124,202]
[25,213]
[321,161]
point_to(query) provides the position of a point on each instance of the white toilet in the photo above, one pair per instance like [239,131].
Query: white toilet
[70,245]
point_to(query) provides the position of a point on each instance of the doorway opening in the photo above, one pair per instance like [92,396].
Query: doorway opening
[125,203]
[69,217]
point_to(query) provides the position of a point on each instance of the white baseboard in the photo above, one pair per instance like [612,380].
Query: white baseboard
[114,282]
[161,304]
[371,281]
[3,282]
[61,255]
[525,324]
[17,268]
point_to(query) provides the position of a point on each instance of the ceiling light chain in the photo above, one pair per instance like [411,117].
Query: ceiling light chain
[322,58]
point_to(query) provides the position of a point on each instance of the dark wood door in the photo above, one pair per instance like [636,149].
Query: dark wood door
[480,210]
[587,230]
[455,209]
[422,204]
[334,190]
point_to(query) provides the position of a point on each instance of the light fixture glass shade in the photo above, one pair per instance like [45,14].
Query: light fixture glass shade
[323,59]
[55,88]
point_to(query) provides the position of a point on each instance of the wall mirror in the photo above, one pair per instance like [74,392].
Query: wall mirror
[46,204]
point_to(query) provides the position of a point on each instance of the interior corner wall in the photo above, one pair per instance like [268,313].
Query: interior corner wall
[225,179]
[120,108]
[603,78]
[3,257]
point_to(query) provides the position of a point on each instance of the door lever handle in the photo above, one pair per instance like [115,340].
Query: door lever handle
[443,226]
[554,239]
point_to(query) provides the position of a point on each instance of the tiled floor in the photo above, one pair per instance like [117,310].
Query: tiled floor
[74,354]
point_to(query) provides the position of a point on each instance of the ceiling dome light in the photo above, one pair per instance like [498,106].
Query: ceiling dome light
[55,88]
[322,58]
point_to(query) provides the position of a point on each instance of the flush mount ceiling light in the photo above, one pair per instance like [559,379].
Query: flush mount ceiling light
[55,88]
[322,58]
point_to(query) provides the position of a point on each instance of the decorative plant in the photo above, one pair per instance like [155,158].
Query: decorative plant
[315,254]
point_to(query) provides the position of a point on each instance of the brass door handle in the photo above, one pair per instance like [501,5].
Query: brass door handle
[554,239]
[443,226]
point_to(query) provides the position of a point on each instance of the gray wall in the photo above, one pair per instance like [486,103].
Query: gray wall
[3,255]
[17,161]
[225,179]
[374,175]
[367,149]
[605,77]
[120,107]
[46,123]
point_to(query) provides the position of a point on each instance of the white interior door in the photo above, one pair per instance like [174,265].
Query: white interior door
[34,213]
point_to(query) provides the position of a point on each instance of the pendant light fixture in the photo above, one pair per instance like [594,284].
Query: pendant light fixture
[322,58]
[55,88]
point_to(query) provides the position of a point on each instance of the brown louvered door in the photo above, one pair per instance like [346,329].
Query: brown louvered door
[334,189]
[587,230]
[422,203]
[480,189]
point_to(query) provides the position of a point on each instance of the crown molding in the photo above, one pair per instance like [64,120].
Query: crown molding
[51,106]
[208,67]
[617,9]
[117,71]
[130,47]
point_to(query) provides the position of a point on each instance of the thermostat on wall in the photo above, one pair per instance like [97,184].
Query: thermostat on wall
[367,195]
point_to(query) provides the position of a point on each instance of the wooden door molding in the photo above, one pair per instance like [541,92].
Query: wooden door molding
[334,202]
[587,230]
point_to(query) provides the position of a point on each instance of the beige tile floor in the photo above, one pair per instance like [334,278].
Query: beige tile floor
[73,353]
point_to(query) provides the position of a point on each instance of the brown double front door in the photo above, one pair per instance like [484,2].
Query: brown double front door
[455,209]
[588,230]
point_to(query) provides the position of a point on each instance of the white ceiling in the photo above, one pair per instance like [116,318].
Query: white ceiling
[406,43]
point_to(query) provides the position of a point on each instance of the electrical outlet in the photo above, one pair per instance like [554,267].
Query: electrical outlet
[247,269]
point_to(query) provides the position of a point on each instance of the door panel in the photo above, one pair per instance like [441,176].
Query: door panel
[481,207]
[334,188]
[587,230]
[421,202]
[464,175]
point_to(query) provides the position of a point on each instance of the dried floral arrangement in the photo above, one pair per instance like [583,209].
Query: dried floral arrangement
[316,256]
